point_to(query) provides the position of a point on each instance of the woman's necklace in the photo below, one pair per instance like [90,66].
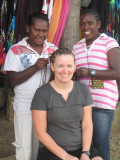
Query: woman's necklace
[88,47]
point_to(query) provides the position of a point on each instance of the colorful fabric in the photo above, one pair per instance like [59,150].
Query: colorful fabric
[62,21]
[2,55]
[110,16]
[113,28]
[2,31]
[96,58]
[20,23]
[55,20]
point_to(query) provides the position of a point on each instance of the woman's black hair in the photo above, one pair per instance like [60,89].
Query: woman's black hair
[37,15]
[60,51]
[91,11]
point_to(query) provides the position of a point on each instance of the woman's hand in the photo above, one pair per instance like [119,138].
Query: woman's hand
[84,157]
[69,157]
[82,72]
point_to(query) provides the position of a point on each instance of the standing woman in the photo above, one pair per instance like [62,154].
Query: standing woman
[62,114]
[98,66]
[27,68]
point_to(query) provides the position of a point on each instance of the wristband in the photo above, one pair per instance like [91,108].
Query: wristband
[87,153]
[92,73]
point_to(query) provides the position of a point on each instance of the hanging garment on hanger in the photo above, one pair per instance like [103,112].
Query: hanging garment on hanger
[117,21]
[33,6]
[62,21]
[111,19]
[2,31]
[50,9]
[11,27]
[114,20]
[20,20]
[45,6]
[54,20]
[4,24]
[1,52]
[1,2]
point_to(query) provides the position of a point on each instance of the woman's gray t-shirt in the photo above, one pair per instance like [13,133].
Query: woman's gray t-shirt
[63,117]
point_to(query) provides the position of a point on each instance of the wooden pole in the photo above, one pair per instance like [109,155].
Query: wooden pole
[71,32]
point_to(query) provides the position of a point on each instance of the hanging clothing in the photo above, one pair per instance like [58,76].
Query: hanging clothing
[20,20]
[45,6]
[55,20]
[50,9]
[33,6]
[114,19]
[62,21]
[3,30]
[102,8]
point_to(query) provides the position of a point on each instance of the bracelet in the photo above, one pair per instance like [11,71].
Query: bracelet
[93,73]
[87,153]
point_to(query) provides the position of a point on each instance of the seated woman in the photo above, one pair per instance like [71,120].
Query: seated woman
[62,114]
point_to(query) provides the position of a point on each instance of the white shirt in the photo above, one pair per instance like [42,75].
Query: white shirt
[20,57]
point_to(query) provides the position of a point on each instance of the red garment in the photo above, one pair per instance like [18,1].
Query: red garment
[2,55]
[62,21]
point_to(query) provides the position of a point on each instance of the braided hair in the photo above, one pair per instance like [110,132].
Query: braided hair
[37,15]
[93,12]
[60,51]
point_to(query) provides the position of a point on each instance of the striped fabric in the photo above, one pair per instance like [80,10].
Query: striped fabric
[96,58]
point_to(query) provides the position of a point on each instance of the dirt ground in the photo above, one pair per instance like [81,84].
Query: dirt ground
[7,137]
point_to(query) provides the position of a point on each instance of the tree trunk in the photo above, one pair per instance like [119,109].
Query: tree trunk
[71,32]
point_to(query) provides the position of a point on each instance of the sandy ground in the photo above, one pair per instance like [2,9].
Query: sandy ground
[7,151]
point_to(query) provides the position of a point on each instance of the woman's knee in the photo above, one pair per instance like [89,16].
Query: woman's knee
[97,158]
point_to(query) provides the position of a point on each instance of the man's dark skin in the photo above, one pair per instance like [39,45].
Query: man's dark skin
[16,78]
[37,34]
[89,23]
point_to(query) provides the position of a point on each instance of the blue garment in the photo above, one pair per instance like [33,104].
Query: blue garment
[102,122]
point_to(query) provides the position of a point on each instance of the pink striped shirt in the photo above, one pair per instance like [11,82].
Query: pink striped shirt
[96,58]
